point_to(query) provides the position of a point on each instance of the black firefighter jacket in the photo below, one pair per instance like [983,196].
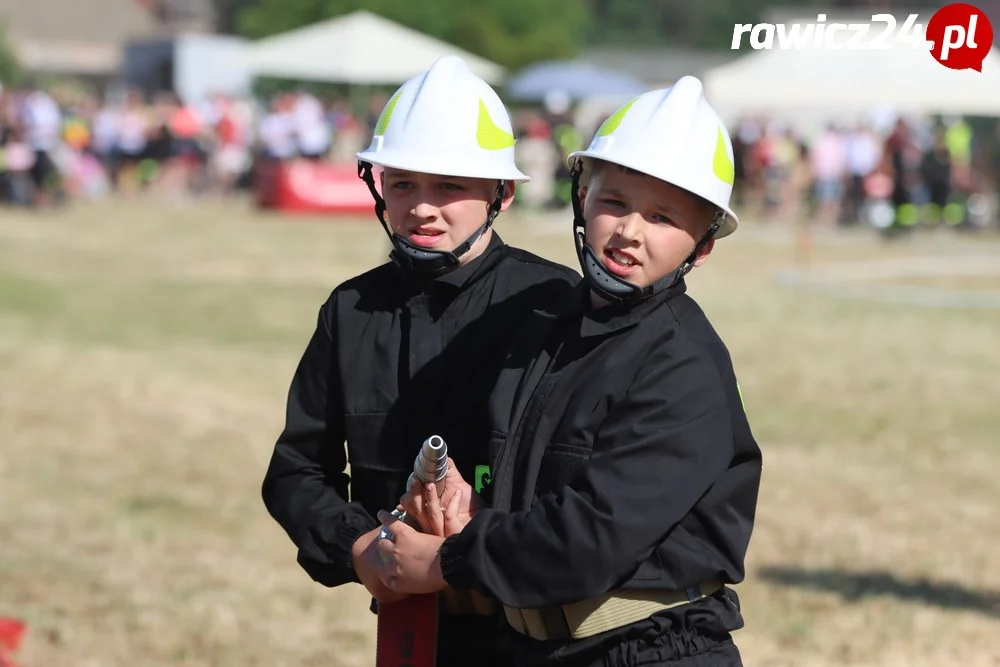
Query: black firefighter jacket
[622,459]
[394,359]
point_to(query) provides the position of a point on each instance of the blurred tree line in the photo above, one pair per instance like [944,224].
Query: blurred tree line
[516,33]
[10,70]
[510,32]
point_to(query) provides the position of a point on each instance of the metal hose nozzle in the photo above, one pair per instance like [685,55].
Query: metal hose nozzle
[430,466]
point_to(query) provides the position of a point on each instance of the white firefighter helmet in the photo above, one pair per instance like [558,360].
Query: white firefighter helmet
[672,134]
[446,121]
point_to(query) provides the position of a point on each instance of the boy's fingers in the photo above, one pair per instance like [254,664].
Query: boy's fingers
[435,516]
[452,523]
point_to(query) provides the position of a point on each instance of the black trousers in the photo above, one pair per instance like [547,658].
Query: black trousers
[470,641]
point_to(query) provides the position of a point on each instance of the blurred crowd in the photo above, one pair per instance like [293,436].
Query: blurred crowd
[59,145]
[920,171]
[924,171]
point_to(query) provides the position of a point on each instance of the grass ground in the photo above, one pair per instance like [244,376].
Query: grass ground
[144,357]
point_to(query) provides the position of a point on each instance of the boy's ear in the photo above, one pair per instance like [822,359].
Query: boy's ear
[704,252]
[509,187]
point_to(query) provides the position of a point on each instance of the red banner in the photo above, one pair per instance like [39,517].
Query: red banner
[306,186]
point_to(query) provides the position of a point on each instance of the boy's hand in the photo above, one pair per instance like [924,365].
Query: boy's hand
[410,561]
[447,515]
[367,565]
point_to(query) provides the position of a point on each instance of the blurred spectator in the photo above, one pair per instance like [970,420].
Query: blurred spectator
[132,141]
[936,171]
[311,128]
[538,158]
[42,123]
[277,130]
[903,161]
[828,158]
[18,162]
[863,157]
[233,127]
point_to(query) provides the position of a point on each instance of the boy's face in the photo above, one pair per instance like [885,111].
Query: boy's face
[440,212]
[640,227]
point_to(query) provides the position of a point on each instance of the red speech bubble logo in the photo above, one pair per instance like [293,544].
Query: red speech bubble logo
[961,36]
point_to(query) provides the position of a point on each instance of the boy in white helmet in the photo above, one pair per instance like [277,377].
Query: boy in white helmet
[624,495]
[413,347]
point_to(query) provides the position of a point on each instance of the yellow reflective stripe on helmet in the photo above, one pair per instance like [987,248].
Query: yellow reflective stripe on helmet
[383,120]
[614,120]
[489,135]
[722,166]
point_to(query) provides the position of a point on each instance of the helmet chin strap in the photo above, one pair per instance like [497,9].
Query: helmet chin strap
[609,286]
[420,260]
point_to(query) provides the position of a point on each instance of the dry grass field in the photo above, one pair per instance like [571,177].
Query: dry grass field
[145,352]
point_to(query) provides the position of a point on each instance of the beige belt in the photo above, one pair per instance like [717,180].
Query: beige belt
[466,602]
[596,615]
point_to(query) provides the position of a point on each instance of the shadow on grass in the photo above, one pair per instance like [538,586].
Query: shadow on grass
[854,586]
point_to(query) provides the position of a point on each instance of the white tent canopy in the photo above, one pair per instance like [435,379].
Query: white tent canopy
[839,82]
[358,48]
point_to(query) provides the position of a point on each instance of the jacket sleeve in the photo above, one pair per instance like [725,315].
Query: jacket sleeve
[305,488]
[657,452]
